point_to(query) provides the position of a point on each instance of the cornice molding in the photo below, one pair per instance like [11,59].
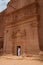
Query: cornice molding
[33,21]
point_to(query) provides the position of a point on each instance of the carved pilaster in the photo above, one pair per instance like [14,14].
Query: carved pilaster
[35,25]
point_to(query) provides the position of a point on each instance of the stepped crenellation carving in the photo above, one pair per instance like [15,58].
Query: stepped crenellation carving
[22,14]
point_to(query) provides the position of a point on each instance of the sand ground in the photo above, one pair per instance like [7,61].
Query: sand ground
[14,60]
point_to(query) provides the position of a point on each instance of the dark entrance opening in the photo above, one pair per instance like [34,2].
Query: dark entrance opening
[1,44]
[18,50]
[1,47]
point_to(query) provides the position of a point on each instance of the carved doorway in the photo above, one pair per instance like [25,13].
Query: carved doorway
[1,47]
[18,50]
